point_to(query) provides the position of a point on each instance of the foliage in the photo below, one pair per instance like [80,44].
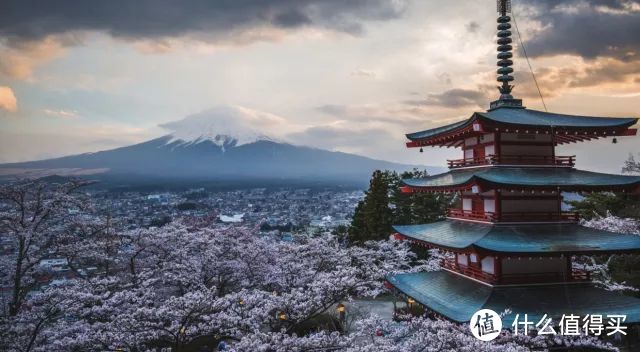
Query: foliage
[373,217]
[188,287]
[597,205]
[35,220]
[187,206]
[384,204]
[631,166]
[601,205]
[417,208]
[178,286]
[613,272]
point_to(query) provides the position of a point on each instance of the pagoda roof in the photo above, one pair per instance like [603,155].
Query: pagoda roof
[526,238]
[522,118]
[528,177]
[458,298]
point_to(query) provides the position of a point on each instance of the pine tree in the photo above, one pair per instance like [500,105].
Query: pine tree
[384,205]
[372,218]
[418,208]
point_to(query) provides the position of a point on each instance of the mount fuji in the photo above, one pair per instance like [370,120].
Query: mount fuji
[222,145]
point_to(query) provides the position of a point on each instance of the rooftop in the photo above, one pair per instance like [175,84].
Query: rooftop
[566,179]
[458,298]
[530,239]
[569,128]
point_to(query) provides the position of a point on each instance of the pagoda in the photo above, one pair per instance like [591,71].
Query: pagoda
[510,242]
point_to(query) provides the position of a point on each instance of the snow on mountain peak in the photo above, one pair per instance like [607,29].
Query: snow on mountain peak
[226,126]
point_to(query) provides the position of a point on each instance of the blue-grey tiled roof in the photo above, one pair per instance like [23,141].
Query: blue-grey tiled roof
[540,118]
[528,117]
[539,238]
[565,178]
[457,298]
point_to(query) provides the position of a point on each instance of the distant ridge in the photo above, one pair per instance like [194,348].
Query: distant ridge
[227,144]
[167,158]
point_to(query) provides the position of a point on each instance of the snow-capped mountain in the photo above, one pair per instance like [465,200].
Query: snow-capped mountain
[224,126]
[227,143]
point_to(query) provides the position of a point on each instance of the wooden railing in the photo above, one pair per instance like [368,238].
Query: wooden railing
[467,270]
[536,216]
[470,215]
[513,160]
[534,160]
[577,275]
[532,278]
[513,216]
[470,162]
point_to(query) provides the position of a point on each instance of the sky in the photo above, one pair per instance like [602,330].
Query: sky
[355,76]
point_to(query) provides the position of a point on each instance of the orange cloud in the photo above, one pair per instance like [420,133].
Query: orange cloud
[8,101]
[17,61]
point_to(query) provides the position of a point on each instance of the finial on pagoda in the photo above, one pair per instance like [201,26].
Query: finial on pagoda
[504,57]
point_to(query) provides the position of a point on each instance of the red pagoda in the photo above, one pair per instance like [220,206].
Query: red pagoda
[511,241]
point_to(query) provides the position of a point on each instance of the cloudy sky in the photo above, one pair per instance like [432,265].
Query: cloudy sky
[79,76]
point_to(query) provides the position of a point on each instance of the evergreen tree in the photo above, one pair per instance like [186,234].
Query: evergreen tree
[384,204]
[603,204]
[417,208]
[622,205]
[373,217]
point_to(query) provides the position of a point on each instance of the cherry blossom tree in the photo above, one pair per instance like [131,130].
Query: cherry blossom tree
[33,218]
[600,265]
[181,287]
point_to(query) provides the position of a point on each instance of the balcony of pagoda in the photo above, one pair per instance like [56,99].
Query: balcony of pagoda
[519,160]
[509,217]
[545,277]
[475,272]
[469,270]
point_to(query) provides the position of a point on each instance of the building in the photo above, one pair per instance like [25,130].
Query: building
[510,240]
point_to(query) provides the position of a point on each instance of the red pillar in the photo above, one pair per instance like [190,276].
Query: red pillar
[497,268]
[498,203]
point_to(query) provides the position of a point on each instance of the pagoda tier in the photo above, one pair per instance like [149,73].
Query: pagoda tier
[536,240]
[509,242]
[558,128]
[521,178]
[517,254]
[457,298]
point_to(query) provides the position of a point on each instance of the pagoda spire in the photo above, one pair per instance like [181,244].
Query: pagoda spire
[504,58]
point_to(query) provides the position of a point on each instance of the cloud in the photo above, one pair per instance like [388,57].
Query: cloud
[343,136]
[362,73]
[8,101]
[333,109]
[62,113]
[378,114]
[576,73]
[472,27]
[587,28]
[169,18]
[244,124]
[453,98]
[606,70]
[32,35]
[17,60]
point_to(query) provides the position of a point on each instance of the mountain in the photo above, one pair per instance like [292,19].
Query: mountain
[224,144]
[220,158]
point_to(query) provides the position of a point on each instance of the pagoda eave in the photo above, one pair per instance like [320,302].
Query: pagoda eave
[565,128]
[515,254]
[457,298]
[509,178]
[518,239]
[634,188]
